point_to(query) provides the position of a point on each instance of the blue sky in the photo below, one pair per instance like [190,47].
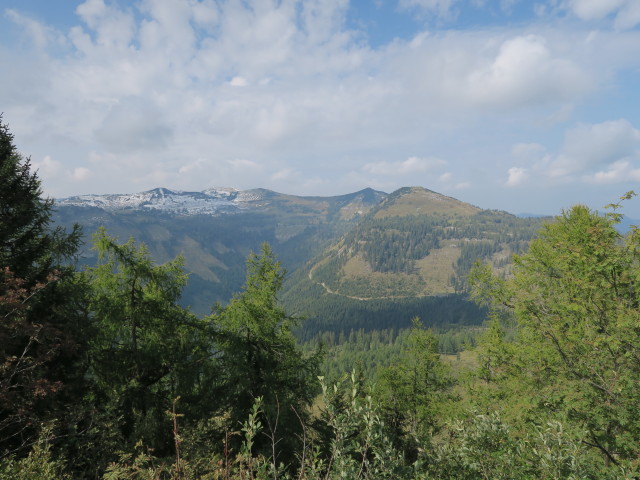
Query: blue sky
[525,106]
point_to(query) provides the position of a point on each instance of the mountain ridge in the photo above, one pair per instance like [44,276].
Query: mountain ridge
[211,201]
[362,247]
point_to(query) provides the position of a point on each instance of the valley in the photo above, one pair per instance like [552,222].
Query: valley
[366,261]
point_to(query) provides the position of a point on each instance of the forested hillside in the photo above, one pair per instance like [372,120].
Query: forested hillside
[407,247]
[105,374]
[214,246]
[410,256]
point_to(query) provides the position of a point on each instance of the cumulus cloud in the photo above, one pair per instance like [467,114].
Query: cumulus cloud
[80,174]
[618,172]
[592,146]
[525,71]
[47,167]
[193,93]
[41,35]
[238,82]
[112,27]
[438,7]
[626,13]
[602,153]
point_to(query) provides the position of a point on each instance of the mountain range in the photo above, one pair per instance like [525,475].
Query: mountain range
[224,201]
[359,260]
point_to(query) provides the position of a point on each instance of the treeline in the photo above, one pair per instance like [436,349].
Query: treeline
[370,352]
[219,244]
[104,375]
[392,244]
[324,312]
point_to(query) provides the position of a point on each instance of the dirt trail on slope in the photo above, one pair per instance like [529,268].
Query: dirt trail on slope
[332,292]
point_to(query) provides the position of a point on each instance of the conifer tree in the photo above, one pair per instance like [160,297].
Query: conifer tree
[412,388]
[41,328]
[148,349]
[260,358]
[575,298]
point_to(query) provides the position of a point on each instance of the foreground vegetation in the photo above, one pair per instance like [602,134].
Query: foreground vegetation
[104,375]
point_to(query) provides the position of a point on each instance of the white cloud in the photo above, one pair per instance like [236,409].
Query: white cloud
[594,9]
[323,20]
[593,153]
[144,92]
[507,5]
[80,174]
[47,167]
[113,28]
[517,176]
[406,167]
[41,35]
[445,177]
[618,172]
[525,71]
[626,13]
[286,174]
[238,82]
[592,146]
[206,13]
[449,181]
[439,7]
[243,164]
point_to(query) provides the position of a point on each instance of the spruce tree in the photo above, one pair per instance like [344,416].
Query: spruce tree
[40,326]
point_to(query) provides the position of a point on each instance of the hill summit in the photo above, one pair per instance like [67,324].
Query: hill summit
[415,243]
[421,201]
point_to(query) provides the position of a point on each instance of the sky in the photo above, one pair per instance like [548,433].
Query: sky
[519,105]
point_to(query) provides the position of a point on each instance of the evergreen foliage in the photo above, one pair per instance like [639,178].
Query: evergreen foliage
[29,246]
[411,390]
[42,325]
[392,244]
[574,297]
[260,359]
[148,350]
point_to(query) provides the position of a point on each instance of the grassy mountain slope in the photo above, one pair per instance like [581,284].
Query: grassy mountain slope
[410,251]
[419,243]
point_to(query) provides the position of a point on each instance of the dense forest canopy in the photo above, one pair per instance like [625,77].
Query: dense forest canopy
[104,374]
